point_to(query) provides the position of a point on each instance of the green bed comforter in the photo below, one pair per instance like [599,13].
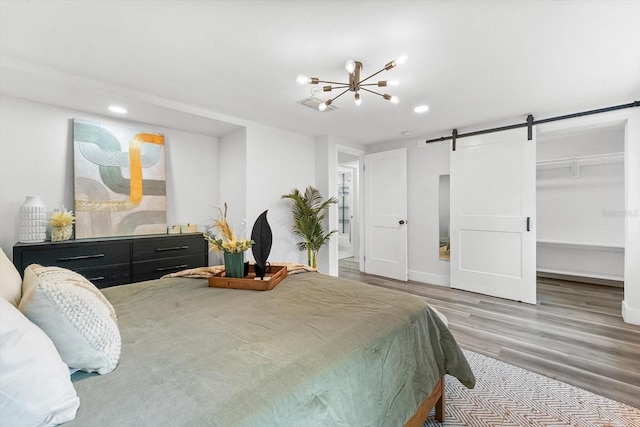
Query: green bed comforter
[314,351]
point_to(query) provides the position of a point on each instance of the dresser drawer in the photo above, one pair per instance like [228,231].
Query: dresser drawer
[168,247]
[108,275]
[147,270]
[75,258]
[117,260]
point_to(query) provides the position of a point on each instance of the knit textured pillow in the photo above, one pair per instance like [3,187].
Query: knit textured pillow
[75,315]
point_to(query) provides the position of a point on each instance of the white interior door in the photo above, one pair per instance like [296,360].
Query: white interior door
[493,191]
[386,214]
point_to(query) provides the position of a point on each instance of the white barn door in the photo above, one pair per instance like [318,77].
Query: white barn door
[386,214]
[493,205]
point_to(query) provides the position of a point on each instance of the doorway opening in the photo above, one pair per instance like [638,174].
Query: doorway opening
[347,181]
[345,212]
[581,205]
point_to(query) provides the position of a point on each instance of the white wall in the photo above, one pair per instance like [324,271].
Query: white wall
[250,169]
[36,158]
[575,209]
[426,162]
[232,178]
[587,209]
[326,169]
[277,161]
[232,175]
[327,153]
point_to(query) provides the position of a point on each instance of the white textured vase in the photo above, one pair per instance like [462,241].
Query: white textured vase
[33,220]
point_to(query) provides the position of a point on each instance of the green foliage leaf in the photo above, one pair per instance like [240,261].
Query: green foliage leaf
[309,214]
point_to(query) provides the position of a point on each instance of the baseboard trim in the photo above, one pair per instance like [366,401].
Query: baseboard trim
[433,279]
[630,315]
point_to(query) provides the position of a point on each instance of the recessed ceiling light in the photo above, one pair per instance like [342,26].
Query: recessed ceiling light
[406,132]
[118,110]
[421,109]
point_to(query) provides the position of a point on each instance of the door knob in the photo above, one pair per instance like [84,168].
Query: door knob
[401,222]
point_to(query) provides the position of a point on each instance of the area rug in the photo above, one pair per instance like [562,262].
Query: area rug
[506,395]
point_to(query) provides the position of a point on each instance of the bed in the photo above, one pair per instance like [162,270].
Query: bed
[314,351]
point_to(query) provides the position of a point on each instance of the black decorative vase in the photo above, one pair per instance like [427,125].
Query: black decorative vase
[261,235]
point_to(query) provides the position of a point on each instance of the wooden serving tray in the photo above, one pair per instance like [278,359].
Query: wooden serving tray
[276,274]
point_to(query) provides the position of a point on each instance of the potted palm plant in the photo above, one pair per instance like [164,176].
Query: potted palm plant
[309,213]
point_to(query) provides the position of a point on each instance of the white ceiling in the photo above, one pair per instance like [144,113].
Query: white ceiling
[211,66]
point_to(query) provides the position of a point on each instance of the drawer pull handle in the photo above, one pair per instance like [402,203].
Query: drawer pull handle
[74,258]
[174,248]
[175,267]
[95,279]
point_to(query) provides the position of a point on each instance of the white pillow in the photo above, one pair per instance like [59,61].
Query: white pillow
[10,281]
[35,385]
[75,315]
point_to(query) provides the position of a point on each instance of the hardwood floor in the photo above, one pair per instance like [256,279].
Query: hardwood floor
[575,333]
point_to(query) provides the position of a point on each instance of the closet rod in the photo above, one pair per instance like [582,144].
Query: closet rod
[537,122]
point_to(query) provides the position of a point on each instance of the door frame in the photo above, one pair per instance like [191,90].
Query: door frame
[353,169]
[356,152]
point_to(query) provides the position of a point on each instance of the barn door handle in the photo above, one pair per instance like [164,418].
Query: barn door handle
[528,223]
[401,222]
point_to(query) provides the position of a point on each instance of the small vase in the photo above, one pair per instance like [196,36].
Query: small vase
[59,234]
[33,220]
[261,269]
[234,264]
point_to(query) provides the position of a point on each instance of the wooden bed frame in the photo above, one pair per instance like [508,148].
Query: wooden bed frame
[435,399]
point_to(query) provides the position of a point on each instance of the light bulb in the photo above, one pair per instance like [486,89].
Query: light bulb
[322,106]
[402,59]
[394,100]
[118,110]
[393,83]
[302,79]
[357,98]
[350,66]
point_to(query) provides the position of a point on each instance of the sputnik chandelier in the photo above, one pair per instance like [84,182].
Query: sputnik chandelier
[355,84]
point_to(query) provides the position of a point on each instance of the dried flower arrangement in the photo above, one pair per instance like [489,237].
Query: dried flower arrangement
[221,236]
[61,218]
[61,223]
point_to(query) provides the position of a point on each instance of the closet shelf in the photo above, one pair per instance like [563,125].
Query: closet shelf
[596,159]
[580,245]
[575,163]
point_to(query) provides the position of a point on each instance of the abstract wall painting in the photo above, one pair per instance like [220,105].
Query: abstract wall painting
[119,179]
